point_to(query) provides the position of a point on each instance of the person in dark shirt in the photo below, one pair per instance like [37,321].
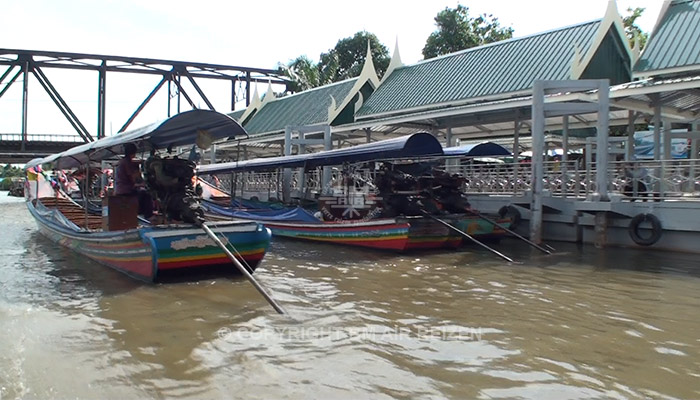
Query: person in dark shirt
[129,178]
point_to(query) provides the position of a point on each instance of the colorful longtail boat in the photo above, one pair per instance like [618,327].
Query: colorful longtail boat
[400,232]
[147,251]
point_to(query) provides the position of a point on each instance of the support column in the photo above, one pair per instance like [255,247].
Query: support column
[327,171]
[450,163]
[212,157]
[565,154]
[538,118]
[694,157]
[667,140]
[629,149]
[25,102]
[101,100]
[287,177]
[600,229]
[233,95]
[657,127]
[602,135]
[516,151]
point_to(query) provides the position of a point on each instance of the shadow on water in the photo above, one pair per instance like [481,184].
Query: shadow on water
[75,273]
[605,259]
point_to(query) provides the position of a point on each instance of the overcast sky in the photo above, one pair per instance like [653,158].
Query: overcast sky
[244,33]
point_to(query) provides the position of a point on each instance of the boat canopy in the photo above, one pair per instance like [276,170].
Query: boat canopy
[189,127]
[483,149]
[417,145]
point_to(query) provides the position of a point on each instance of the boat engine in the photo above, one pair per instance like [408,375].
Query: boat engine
[430,191]
[170,181]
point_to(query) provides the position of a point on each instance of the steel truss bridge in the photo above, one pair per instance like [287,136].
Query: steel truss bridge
[21,64]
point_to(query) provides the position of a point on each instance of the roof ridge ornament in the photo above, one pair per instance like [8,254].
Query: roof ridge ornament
[611,21]
[367,75]
[331,110]
[269,95]
[253,105]
[576,65]
[636,49]
[395,61]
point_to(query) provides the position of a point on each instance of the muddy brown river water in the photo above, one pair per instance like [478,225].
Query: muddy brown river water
[582,323]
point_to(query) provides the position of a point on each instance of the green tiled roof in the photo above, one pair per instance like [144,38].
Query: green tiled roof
[675,42]
[306,108]
[236,114]
[499,68]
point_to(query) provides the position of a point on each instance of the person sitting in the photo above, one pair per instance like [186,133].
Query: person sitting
[128,181]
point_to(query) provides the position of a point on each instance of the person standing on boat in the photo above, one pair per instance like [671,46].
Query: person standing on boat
[129,181]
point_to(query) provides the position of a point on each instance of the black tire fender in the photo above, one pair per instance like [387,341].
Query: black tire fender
[634,229]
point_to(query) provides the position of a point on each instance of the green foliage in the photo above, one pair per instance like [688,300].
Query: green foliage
[304,74]
[632,30]
[457,31]
[342,62]
[348,56]
[9,171]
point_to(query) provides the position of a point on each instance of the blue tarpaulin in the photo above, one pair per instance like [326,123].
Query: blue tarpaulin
[296,214]
[416,145]
[484,149]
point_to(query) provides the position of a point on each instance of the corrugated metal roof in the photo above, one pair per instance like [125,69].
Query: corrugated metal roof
[675,42]
[306,108]
[499,68]
[236,115]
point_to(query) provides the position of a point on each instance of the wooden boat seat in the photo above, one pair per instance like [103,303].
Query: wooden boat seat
[73,212]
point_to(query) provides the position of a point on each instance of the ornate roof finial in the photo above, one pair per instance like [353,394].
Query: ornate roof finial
[395,61]
[331,109]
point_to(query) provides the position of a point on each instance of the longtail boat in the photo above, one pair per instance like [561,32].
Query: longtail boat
[385,225]
[173,244]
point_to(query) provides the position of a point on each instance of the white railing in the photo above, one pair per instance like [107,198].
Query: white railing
[661,180]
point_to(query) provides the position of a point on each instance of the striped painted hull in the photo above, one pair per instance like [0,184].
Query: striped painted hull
[147,253]
[380,234]
[400,234]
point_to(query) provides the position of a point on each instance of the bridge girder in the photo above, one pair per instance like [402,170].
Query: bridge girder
[26,63]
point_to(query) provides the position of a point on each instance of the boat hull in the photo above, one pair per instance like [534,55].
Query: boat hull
[149,253]
[382,234]
[400,234]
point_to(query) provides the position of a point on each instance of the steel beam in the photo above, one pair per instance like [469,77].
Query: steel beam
[199,90]
[143,104]
[61,104]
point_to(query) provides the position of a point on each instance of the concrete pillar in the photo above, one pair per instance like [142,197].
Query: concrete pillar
[602,136]
[212,154]
[657,127]
[516,151]
[565,153]
[537,162]
[693,156]
[667,140]
[629,148]
[287,177]
[327,171]
[601,229]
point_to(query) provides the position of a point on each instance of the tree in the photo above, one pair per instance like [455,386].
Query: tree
[632,30]
[344,61]
[348,56]
[304,74]
[457,31]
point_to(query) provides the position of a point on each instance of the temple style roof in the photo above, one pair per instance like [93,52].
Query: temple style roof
[326,105]
[674,44]
[596,49]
